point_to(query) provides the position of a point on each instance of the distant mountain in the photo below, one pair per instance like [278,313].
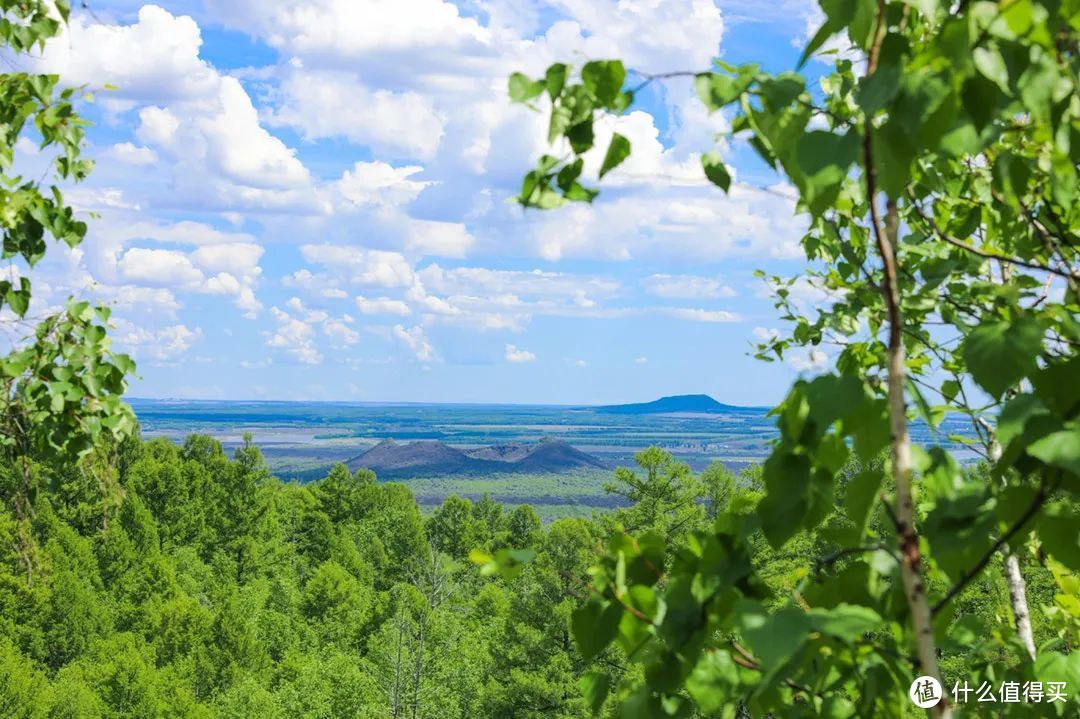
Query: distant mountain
[696,403]
[391,459]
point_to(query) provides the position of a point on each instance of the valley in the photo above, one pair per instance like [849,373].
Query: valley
[556,458]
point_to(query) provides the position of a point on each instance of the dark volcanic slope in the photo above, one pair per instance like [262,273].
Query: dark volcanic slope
[390,459]
[700,403]
[389,456]
[500,452]
[554,455]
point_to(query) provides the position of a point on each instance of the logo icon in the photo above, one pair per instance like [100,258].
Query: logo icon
[925,692]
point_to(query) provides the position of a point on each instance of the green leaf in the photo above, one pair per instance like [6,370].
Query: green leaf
[617,151]
[1060,449]
[848,622]
[990,63]
[604,79]
[19,299]
[960,529]
[1059,530]
[523,89]
[713,682]
[717,90]
[826,31]
[581,136]
[773,638]
[787,479]
[1058,388]
[860,495]
[595,686]
[594,626]
[878,90]
[715,170]
[1059,668]
[555,79]
[824,159]
[999,354]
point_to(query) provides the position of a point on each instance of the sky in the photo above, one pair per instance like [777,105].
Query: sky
[308,200]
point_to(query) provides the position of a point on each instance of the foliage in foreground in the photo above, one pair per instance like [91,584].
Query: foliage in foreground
[936,164]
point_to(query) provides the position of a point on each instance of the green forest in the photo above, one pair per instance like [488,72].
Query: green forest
[854,573]
[197,585]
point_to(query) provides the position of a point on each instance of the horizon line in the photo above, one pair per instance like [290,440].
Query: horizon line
[406,403]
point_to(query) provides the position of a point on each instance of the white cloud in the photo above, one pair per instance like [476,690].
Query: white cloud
[380,184]
[169,268]
[162,344]
[382,306]
[537,283]
[336,104]
[686,287]
[444,239]
[129,299]
[359,266]
[352,29]
[416,341]
[157,126]
[339,331]
[810,360]
[240,149]
[132,154]
[766,333]
[689,223]
[699,315]
[237,258]
[295,337]
[202,120]
[641,360]
[513,354]
[155,59]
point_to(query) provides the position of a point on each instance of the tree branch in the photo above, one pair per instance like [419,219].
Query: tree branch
[987,254]
[833,558]
[1036,504]
[649,78]
[908,543]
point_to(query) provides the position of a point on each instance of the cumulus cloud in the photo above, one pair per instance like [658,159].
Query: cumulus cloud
[382,306]
[416,341]
[338,105]
[202,120]
[513,354]
[691,223]
[442,239]
[380,184]
[297,329]
[167,48]
[162,344]
[360,266]
[159,267]
[294,336]
[132,154]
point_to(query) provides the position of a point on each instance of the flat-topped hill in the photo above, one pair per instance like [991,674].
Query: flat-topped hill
[695,403]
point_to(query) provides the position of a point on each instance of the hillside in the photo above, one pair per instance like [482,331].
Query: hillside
[696,403]
[428,457]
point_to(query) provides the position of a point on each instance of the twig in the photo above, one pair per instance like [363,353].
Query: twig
[1036,503]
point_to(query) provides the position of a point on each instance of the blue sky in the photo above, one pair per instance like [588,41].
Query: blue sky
[307,199]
